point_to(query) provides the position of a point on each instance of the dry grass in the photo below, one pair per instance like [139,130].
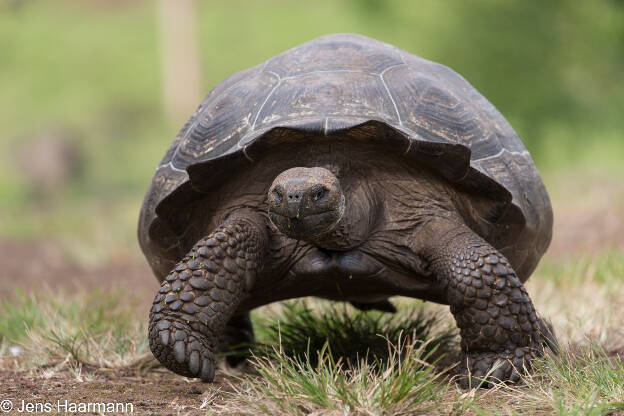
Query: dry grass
[88,332]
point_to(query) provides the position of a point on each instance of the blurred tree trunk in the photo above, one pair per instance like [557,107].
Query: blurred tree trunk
[180,58]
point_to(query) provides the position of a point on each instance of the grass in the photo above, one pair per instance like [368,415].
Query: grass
[91,329]
[299,329]
[318,358]
[402,383]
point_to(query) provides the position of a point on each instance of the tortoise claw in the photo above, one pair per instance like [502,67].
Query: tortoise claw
[164,337]
[194,362]
[207,370]
[179,351]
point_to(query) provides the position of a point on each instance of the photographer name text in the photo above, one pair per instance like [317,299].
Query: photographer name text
[65,406]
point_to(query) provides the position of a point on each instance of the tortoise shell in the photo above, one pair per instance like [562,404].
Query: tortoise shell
[355,87]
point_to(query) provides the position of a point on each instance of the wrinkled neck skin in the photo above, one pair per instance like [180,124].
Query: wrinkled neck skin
[361,213]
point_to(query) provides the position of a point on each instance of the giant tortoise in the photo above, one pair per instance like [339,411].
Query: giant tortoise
[351,170]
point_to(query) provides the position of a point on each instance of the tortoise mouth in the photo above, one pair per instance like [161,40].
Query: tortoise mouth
[306,226]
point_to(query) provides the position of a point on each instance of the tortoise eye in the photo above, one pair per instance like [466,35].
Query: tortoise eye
[277,195]
[320,193]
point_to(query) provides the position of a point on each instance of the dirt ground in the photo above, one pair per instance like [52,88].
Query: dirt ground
[158,392]
[39,265]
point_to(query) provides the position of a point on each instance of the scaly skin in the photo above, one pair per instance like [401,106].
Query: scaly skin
[493,311]
[200,296]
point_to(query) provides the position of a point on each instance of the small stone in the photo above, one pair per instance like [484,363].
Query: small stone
[232,242]
[204,252]
[177,286]
[514,308]
[193,265]
[465,272]
[158,298]
[179,336]
[228,231]
[494,311]
[185,275]
[211,242]
[164,289]
[477,283]
[487,269]
[178,325]
[200,284]
[500,284]
[492,259]
[157,308]
[480,304]
[488,279]
[180,267]
[480,263]
[467,279]
[198,273]
[171,277]
[219,253]
[170,298]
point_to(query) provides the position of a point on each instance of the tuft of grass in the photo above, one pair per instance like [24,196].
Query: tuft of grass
[404,383]
[579,381]
[349,334]
[97,330]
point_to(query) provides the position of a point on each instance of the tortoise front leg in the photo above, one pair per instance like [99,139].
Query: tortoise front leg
[497,321]
[200,296]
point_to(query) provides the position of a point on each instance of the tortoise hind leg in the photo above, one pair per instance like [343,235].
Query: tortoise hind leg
[500,331]
[201,295]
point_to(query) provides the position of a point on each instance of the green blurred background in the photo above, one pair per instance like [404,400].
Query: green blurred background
[82,81]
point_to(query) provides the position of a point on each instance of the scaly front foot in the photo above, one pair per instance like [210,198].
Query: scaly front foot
[200,296]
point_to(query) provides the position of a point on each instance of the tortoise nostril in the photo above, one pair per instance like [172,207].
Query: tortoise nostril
[294,196]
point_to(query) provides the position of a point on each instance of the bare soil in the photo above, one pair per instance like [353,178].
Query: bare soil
[158,392]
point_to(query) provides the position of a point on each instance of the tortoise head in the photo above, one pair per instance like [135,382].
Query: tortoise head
[305,203]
